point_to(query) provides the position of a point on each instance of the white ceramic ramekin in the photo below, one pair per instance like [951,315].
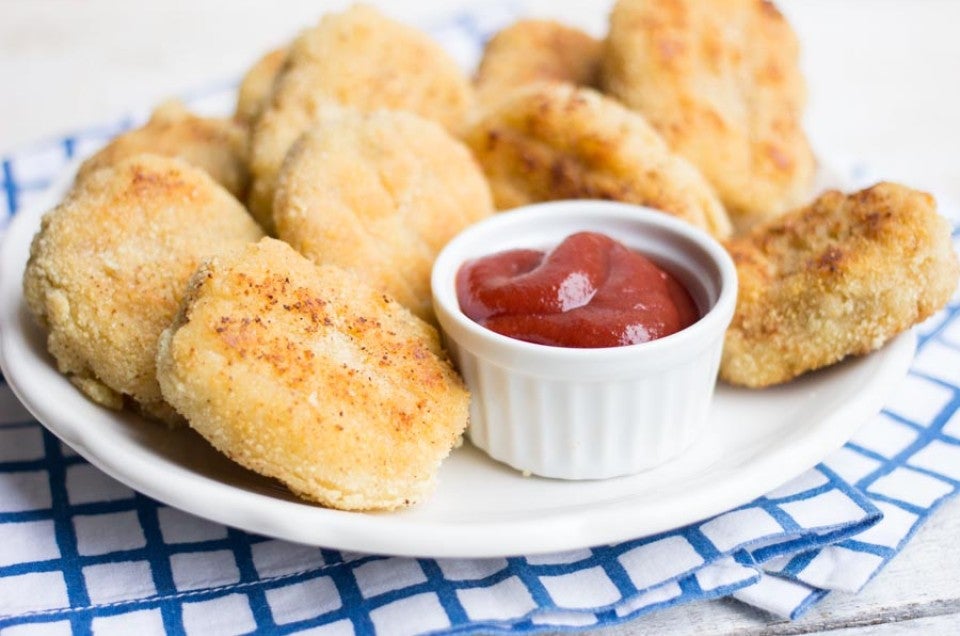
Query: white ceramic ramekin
[589,413]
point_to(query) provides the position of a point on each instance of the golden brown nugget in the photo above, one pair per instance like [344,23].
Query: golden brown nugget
[363,60]
[837,278]
[379,194]
[110,263]
[557,141]
[721,82]
[530,51]
[256,87]
[307,375]
[218,146]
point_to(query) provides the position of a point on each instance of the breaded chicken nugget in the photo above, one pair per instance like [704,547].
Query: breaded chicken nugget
[379,194]
[218,146]
[110,263]
[256,87]
[363,60]
[557,141]
[305,374]
[837,278]
[271,138]
[530,51]
[720,81]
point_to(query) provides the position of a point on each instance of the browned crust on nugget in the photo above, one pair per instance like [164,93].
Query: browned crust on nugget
[305,374]
[558,141]
[837,278]
[379,194]
[530,51]
[721,82]
[359,59]
[110,263]
[217,146]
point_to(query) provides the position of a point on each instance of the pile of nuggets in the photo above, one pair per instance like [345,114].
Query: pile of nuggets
[265,279]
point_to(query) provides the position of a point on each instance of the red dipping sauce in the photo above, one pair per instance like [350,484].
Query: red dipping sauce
[590,291]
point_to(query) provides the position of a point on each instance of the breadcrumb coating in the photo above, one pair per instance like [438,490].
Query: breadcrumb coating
[360,59]
[837,278]
[256,87]
[557,141]
[307,375]
[379,194]
[110,263]
[721,81]
[530,51]
[217,146]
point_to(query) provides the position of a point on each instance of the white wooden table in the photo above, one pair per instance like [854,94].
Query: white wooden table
[883,77]
[918,593]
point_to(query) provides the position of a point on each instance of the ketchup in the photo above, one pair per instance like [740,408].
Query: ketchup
[590,291]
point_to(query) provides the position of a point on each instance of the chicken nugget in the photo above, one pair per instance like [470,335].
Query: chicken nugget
[530,51]
[217,146]
[307,375]
[361,59]
[837,278]
[721,82]
[558,141]
[110,263]
[271,138]
[379,194]
[256,87]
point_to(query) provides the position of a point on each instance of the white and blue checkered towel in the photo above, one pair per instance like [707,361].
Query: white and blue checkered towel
[81,552]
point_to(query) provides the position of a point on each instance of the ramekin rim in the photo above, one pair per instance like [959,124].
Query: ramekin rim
[714,320]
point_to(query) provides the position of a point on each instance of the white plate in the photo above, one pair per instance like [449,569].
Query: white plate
[756,440]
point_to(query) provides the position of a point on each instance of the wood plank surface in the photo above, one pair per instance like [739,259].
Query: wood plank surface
[917,593]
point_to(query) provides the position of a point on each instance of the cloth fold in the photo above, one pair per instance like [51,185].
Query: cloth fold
[79,551]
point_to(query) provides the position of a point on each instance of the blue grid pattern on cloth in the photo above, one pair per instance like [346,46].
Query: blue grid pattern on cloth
[80,552]
[906,461]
